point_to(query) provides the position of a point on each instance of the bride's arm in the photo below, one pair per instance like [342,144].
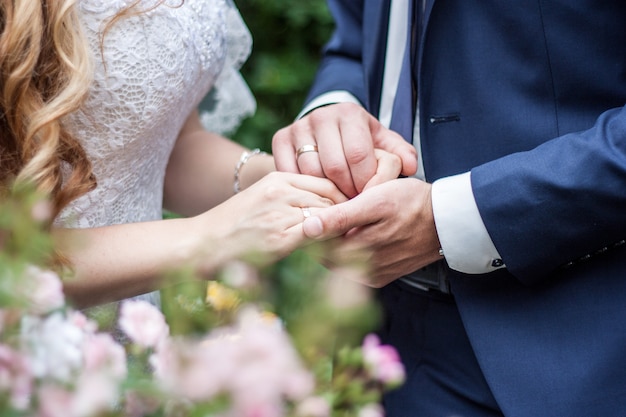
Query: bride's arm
[116,262]
[200,173]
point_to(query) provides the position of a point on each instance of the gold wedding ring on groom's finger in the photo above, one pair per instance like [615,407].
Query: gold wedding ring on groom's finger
[305,149]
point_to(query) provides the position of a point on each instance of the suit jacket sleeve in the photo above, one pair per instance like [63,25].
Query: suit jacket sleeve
[341,65]
[560,203]
[539,123]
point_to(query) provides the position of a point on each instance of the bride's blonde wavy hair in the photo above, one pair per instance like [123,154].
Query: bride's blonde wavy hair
[45,74]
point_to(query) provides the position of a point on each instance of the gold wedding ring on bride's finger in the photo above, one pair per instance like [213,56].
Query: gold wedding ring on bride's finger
[305,149]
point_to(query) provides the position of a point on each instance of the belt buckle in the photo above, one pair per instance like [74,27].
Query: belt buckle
[430,277]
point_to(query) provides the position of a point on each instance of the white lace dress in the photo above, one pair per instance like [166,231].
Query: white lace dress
[153,69]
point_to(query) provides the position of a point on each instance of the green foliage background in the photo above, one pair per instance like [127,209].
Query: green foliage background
[288,37]
[287,41]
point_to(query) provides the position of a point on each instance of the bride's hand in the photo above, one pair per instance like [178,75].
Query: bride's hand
[264,222]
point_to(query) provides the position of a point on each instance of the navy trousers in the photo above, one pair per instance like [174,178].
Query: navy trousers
[443,376]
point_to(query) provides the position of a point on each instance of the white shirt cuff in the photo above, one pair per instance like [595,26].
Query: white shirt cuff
[330,97]
[464,239]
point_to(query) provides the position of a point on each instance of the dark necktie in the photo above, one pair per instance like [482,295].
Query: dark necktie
[403,109]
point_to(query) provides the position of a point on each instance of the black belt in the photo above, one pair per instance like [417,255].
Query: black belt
[431,277]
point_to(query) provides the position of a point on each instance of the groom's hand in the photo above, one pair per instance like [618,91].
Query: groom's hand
[346,137]
[390,226]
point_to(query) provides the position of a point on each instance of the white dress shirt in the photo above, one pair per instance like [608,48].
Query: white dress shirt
[466,244]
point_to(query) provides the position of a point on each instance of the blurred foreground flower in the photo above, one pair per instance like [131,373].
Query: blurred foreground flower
[143,323]
[247,361]
[382,362]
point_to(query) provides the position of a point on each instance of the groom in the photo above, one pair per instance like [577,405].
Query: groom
[503,263]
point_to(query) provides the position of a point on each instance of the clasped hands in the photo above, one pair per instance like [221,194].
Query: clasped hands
[387,223]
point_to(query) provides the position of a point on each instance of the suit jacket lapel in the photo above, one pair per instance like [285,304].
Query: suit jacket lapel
[375,25]
[428,7]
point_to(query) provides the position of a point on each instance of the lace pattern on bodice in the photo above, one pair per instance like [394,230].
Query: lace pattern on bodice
[157,67]
[151,71]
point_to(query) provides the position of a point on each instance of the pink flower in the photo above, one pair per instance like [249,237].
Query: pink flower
[371,410]
[96,385]
[382,361]
[269,372]
[94,396]
[143,323]
[254,364]
[95,393]
[240,275]
[41,211]
[53,346]
[15,377]
[80,321]
[43,289]
[191,370]
[313,407]
[55,401]
[103,354]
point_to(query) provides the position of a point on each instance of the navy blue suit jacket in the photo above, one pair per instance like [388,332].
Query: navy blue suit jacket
[536,90]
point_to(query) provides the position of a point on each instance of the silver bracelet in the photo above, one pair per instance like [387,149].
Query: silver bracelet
[245,156]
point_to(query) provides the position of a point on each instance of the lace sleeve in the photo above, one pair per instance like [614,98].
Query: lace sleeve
[230,100]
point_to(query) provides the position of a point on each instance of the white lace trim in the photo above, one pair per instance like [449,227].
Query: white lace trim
[157,67]
[231,99]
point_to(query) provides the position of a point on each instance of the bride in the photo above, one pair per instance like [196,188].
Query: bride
[98,109]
